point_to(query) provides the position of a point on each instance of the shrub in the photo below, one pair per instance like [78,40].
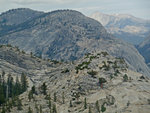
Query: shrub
[103,108]
[101,81]
[92,73]
[65,71]
[125,78]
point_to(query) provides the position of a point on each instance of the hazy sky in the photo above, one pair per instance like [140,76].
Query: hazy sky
[138,8]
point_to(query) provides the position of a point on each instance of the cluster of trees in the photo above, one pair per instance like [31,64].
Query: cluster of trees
[10,88]
[51,103]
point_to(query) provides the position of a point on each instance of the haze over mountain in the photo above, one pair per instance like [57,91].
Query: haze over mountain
[124,26]
[68,35]
[144,49]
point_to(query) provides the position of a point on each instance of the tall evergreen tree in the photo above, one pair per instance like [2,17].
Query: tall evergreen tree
[54,108]
[90,111]
[24,82]
[17,87]
[71,103]
[55,97]
[63,98]
[41,109]
[2,97]
[44,88]
[85,103]
[30,110]
[19,104]
[97,106]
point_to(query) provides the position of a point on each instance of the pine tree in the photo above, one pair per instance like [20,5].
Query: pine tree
[49,104]
[30,95]
[55,97]
[30,110]
[90,111]
[40,109]
[33,89]
[103,108]
[10,86]
[44,88]
[3,73]
[36,107]
[97,106]
[63,98]
[3,110]
[19,104]
[85,103]
[24,82]
[77,96]
[54,108]
[125,78]
[71,103]
[2,97]
[17,88]
[101,81]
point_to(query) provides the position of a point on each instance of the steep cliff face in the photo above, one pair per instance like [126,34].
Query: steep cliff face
[144,49]
[124,26]
[68,35]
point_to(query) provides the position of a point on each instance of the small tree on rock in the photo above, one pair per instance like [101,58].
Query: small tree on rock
[101,81]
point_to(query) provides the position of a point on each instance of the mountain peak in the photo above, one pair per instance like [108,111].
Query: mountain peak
[17,16]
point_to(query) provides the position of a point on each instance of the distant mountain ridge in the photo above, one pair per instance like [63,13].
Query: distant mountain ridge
[124,26]
[11,19]
[144,49]
[68,35]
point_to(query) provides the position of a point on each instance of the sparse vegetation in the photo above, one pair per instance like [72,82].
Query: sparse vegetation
[101,81]
[65,70]
[30,110]
[92,73]
[71,104]
[55,97]
[125,78]
[90,111]
[97,106]
[103,108]
[82,66]
[44,88]
[85,103]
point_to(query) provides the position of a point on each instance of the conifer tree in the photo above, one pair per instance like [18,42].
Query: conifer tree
[24,82]
[85,103]
[30,95]
[40,109]
[63,98]
[97,106]
[19,104]
[54,108]
[49,104]
[30,110]
[44,88]
[2,96]
[90,111]
[55,97]
[33,89]
[71,103]
[3,110]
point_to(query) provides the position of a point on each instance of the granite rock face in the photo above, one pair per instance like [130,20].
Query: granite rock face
[81,77]
[68,35]
[144,49]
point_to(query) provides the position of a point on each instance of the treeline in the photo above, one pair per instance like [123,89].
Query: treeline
[10,88]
